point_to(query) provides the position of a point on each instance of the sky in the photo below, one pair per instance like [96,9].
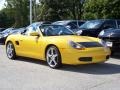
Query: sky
[2,4]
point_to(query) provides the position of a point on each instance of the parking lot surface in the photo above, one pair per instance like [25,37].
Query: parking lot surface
[30,74]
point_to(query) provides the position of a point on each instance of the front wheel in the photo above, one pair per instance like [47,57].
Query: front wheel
[10,50]
[53,57]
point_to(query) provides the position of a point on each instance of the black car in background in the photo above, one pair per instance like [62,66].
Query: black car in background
[111,37]
[74,25]
[9,31]
[94,27]
[33,25]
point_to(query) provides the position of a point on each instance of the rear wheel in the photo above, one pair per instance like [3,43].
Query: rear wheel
[10,50]
[53,57]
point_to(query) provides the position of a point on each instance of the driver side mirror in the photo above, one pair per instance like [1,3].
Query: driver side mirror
[34,34]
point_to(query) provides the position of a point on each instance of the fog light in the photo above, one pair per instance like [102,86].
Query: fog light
[86,59]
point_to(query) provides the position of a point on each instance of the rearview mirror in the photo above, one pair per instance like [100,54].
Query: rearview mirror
[34,34]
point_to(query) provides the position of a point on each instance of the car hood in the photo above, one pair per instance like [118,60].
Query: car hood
[74,38]
[111,33]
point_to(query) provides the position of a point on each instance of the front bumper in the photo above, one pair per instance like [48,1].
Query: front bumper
[73,56]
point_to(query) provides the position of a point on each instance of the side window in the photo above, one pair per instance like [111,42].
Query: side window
[80,23]
[109,24]
[75,22]
[118,22]
[72,25]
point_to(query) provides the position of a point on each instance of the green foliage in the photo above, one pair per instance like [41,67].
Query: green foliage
[5,19]
[97,9]
[53,10]
[16,12]
[19,10]
[60,9]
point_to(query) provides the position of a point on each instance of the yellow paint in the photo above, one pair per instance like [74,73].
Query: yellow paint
[34,47]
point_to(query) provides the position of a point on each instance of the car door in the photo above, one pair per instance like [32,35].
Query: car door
[29,46]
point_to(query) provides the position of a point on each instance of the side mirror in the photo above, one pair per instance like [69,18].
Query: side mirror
[34,34]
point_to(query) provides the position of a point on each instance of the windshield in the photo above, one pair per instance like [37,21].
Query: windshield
[92,24]
[60,23]
[55,30]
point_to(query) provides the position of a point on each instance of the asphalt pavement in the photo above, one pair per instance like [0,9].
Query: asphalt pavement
[31,74]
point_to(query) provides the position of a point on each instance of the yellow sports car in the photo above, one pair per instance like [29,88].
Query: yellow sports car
[57,45]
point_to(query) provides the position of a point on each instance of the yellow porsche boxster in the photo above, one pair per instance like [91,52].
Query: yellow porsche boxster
[57,45]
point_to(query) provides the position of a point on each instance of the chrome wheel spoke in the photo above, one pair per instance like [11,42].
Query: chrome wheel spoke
[54,61]
[10,50]
[49,55]
[52,51]
[55,55]
[50,62]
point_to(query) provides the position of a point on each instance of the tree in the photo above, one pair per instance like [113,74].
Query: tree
[61,9]
[53,11]
[5,19]
[20,10]
[97,9]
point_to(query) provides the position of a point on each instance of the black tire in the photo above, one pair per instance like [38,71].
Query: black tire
[11,54]
[53,58]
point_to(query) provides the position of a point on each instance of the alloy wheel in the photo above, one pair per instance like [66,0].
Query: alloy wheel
[53,57]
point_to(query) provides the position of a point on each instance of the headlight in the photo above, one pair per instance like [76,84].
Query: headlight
[76,45]
[79,32]
[102,33]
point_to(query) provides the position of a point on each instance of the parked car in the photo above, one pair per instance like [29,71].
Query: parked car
[39,23]
[7,32]
[2,29]
[57,45]
[71,24]
[111,38]
[94,27]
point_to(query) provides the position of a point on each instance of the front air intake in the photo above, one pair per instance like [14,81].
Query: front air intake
[90,44]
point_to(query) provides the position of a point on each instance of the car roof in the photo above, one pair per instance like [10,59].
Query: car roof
[103,19]
[64,22]
[37,23]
